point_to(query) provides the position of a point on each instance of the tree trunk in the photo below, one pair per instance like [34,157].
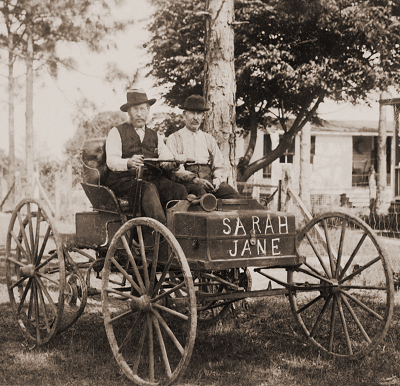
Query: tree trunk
[382,172]
[219,77]
[29,113]
[11,126]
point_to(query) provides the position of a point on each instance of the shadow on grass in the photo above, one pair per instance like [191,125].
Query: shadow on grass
[260,346]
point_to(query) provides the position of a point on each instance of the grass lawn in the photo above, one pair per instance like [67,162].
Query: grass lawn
[259,346]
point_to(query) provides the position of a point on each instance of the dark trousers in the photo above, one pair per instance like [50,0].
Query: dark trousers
[155,194]
[224,191]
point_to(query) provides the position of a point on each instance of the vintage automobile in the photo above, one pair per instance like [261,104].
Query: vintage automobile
[158,283]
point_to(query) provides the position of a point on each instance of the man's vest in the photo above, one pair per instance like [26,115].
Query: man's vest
[131,145]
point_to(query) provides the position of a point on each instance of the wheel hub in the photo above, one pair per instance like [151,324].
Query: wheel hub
[330,288]
[141,304]
[28,270]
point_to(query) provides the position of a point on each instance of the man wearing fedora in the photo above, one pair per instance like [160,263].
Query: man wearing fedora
[126,147]
[210,172]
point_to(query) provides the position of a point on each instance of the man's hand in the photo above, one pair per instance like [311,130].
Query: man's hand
[135,161]
[180,158]
[207,185]
[216,183]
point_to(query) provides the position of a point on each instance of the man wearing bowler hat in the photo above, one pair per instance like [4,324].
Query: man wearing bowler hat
[210,173]
[126,147]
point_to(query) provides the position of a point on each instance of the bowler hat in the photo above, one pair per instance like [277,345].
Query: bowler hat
[136,97]
[195,103]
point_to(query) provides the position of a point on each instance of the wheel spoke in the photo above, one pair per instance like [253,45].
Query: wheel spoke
[162,347]
[20,247]
[154,261]
[362,305]
[134,265]
[47,277]
[332,324]
[319,318]
[144,258]
[169,332]
[44,243]
[36,306]
[353,255]
[24,236]
[344,325]
[37,234]
[317,254]
[128,336]
[151,347]
[16,262]
[121,293]
[126,275]
[167,293]
[170,311]
[329,248]
[18,282]
[358,271]
[164,273]
[28,207]
[45,262]
[121,316]
[22,301]
[309,304]
[340,250]
[43,307]
[49,298]
[360,327]
[311,273]
[138,353]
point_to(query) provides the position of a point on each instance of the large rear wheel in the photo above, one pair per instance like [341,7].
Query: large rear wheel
[149,303]
[35,271]
[343,295]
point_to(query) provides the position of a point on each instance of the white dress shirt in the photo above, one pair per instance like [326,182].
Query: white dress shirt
[114,151]
[200,146]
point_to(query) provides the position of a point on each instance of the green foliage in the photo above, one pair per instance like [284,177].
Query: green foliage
[95,127]
[289,56]
[177,48]
[173,122]
[55,21]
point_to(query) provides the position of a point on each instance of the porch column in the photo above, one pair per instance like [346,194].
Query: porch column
[304,179]
[396,152]
[381,153]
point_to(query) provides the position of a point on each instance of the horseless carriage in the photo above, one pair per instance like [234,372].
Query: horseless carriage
[158,283]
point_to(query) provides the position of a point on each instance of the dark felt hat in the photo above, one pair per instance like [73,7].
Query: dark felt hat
[136,97]
[195,103]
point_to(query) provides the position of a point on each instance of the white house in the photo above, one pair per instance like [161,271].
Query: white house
[341,156]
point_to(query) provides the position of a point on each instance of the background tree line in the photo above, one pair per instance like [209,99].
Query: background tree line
[290,56]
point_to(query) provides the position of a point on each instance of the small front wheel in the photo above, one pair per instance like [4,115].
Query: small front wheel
[343,295]
[149,303]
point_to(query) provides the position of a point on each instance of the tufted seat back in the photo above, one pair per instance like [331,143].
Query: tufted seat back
[95,170]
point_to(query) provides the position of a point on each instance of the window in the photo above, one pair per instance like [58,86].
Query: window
[312,149]
[267,170]
[365,156]
[287,157]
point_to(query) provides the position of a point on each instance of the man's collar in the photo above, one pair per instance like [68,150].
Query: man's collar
[190,131]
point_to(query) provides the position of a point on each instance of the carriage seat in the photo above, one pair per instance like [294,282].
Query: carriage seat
[95,173]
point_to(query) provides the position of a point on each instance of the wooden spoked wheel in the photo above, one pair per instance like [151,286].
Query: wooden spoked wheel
[211,311]
[35,271]
[75,294]
[149,303]
[343,295]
